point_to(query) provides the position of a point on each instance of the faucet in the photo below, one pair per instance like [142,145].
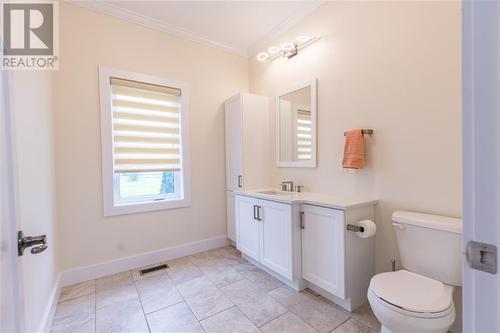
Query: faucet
[287,186]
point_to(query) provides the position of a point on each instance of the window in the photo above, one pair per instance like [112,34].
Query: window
[144,149]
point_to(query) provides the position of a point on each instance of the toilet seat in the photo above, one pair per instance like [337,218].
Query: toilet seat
[412,294]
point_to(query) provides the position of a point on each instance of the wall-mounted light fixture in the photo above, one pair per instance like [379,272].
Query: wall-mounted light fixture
[288,49]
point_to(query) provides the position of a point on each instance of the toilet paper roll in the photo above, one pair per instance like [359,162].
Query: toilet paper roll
[369,228]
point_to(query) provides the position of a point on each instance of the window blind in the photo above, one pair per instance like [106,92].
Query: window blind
[146,127]
[304,137]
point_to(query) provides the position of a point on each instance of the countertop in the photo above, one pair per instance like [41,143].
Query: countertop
[311,198]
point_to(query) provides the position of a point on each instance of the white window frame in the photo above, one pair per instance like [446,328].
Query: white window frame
[110,207]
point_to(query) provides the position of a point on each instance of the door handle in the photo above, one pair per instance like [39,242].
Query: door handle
[28,241]
[240,181]
[254,212]
[302,224]
[258,213]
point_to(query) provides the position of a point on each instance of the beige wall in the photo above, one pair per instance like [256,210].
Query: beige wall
[32,113]
[393,67]
[87,40]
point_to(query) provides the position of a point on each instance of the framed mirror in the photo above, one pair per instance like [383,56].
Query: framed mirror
[296,126]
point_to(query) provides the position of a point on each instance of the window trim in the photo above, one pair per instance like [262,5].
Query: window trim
[108,190]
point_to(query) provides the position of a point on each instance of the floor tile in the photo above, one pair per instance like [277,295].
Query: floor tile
[157,292]
[124,317]
[202,257]
[259,307]
[364,315]
[77,290]
[113,281]
[319,313]
[219,273]
[180,271]
[231,320]
[75,315]
[353,326]
[203,297]
[115,296]
[136,275]
[288,323]
[260,278]
[174,319]
[230,254]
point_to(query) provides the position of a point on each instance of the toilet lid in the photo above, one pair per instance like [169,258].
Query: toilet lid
[412,292]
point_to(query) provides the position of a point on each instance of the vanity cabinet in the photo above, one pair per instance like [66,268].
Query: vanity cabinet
[264,233]
[323,248]
[303,240]
[248,155]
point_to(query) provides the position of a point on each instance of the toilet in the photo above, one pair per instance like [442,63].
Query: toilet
[419,298]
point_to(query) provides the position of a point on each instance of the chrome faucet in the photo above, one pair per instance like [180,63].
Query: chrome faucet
[287,186]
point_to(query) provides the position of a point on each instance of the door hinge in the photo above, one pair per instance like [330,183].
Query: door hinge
[482,256]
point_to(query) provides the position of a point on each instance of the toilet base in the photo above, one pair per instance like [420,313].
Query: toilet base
[389,316]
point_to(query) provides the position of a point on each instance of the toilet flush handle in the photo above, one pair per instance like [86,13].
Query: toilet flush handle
[398,226]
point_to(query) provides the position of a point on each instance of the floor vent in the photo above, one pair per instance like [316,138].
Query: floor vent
[152,269]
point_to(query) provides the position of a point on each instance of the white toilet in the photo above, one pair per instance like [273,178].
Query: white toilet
[418,298]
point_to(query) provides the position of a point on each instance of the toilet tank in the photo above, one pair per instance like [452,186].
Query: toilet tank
[430,245]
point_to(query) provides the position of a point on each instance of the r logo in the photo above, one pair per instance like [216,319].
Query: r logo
[28,29]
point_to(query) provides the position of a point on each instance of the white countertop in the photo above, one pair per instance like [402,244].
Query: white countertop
[317,199]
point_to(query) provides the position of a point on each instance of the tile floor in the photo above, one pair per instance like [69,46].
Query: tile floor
[212,291]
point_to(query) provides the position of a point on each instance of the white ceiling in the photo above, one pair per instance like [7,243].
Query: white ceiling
[241,27]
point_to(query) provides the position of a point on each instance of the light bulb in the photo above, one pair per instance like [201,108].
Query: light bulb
[273,50]
[287,46]
[304,38]
[263,56]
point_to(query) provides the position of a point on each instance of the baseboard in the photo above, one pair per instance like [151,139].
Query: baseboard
[90,272]
[50,311]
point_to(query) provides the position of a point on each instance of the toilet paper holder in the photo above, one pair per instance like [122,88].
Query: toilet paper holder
[355,228]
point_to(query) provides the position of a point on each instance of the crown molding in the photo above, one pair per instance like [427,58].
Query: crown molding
[107,8]
[283,27]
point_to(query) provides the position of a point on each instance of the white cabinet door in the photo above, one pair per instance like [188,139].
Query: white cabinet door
[276,237]
[323,248]
[231,223]
[247,227]
[234,143]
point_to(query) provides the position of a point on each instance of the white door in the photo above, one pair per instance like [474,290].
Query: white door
[481,160]
[234,144]
[11,313]
[323,248]
[231,232]
[276,237]
[247,226]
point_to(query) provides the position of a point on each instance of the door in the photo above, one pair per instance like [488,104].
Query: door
[231,232]
[323,248]
[234,144]
[11,313]
[276,237]
[247,226]
[481,161]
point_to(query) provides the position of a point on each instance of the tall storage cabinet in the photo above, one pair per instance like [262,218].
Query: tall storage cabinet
[248,154]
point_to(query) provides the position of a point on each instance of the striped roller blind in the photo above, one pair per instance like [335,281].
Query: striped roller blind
[304,135]
[146,127]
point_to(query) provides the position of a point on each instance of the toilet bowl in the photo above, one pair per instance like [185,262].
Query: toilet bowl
[407,302]
[419,298]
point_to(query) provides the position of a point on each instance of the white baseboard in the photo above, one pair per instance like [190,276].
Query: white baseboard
[90,272]
[50,311]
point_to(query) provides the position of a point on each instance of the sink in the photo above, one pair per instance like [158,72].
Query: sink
[276,192]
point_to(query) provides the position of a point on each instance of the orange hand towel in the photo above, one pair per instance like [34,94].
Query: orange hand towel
[354,150]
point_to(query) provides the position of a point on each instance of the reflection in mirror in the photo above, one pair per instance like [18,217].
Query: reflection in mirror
[295,126]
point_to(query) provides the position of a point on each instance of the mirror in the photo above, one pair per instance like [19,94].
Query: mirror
[296,126]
